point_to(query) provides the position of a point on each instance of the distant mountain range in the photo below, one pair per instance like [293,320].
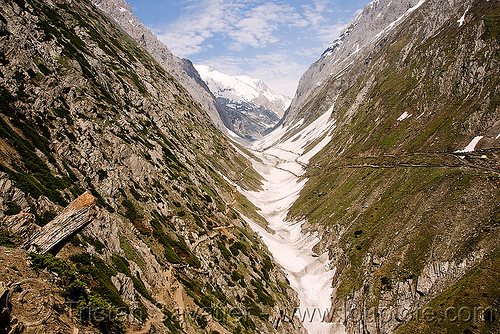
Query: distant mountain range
[249,104]
[181,69]
[240,104]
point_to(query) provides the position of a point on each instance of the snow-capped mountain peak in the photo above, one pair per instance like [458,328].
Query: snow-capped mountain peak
[243,88]
[250,104]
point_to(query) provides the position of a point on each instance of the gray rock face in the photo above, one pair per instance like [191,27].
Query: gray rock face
[8,193]
[125,286]
[248,120]
[356,41]
[181,69]
[22,224]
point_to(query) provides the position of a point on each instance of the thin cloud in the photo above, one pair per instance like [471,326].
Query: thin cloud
[258,25]
[316,14]
[327,34]
[238,24]
[288,39]
[188,35]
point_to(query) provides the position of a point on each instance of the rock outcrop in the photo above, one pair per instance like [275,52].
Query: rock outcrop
[22,225]
[68,223]
[10,194]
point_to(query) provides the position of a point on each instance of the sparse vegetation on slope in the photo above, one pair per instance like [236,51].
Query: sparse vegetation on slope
[404,214]
[84,108]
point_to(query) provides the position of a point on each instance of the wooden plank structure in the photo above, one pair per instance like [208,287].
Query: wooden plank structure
[70,221]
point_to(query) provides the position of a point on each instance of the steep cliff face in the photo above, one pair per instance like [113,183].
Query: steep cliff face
[85,108]
[405,194]
[181,69]
[250,105]
[355,42]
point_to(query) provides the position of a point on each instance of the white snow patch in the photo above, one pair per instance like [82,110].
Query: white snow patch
[298,123]
[272,138]
[404,116]
[306,157]
[357,49]
[308,273]
[394,24]
[471,146]
[335,43]
[462,19]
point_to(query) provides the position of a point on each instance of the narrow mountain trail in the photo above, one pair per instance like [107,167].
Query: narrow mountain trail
[482,160]
[146,327]
[215,232]
[284,165]
[285,168]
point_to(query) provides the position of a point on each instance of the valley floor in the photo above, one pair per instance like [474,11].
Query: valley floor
[310,274]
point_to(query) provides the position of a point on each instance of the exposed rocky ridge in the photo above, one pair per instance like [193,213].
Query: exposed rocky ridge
[83,107]
[408,215]
[250,105]
[182,69]
[356,42]
[50,237]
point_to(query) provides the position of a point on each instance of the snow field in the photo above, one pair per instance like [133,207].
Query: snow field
[310,274]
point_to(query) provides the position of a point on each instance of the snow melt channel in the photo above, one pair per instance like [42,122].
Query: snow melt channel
[281,166]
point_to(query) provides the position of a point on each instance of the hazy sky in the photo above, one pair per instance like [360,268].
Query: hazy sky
[275,41]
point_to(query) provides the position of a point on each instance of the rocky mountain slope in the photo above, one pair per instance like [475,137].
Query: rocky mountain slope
[404,194]
[379,190]
[375,20]
[84,108]
[181,69]
[250,105]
